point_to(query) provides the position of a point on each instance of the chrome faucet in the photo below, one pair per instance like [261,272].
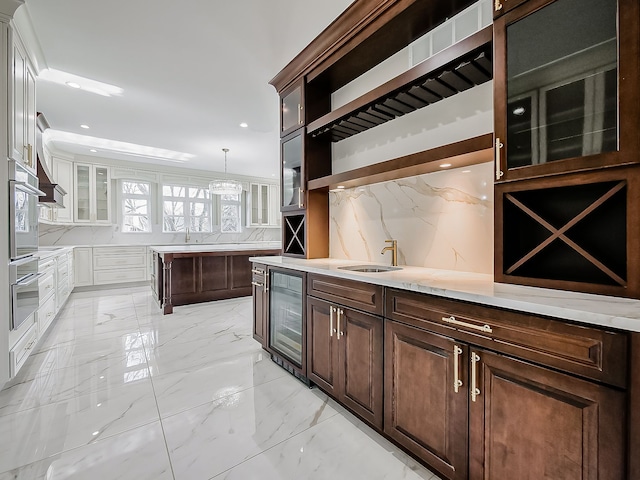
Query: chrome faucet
[394,251]
[187,235]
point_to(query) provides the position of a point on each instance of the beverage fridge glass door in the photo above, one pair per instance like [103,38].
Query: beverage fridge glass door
[285,315]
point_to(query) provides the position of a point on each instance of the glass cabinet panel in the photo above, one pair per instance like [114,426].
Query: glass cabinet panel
[264,204]
[562,82]
[102,194]
[291,105]
[83,193]
[292,151]
[285,314]
[254,204]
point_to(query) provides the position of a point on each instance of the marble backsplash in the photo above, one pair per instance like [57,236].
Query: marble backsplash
[80,235]
[440,220]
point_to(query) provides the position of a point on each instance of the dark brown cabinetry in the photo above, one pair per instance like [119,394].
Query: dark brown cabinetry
[345,357]
[259,288]
[426,397]
[292,112]
[529,422]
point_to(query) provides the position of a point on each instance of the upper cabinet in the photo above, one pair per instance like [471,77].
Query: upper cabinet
[22,146]
[565,86]
[63,174]
[292,171]
[264,202]
[292,108]
[92,202]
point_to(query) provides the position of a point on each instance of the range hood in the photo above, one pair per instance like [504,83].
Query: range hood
[54,193]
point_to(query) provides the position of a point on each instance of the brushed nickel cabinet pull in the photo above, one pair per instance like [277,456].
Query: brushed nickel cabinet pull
[481,328]
[499,172]
[300,202]
[256,284]
[300,114]
[340,332]
[257,272]
[475,391]
[497,5]
[457,383]
[331,309]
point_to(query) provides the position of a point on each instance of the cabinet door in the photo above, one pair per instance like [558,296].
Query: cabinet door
[423,411]
[264,205]
[30,119]
[529,423]
[564,105]
[83,266]
[19,106]
[291,108]
[63,175]
[292,172]
[102,194]
[255,208]
[259,313]
[83,193]
[322,346]
[361,363]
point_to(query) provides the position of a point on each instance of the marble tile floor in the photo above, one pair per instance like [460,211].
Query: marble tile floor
[117,391]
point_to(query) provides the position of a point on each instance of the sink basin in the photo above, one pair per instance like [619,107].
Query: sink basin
[370,268]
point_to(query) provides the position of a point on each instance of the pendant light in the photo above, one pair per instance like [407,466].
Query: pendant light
[225,186]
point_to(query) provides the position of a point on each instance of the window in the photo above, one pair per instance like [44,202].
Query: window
[136,206]
[230,219]
[186,207]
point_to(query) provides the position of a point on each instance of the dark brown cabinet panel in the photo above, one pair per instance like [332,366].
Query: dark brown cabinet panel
[363,296]
[260,310]
[528,422]
[345,357]
[423,411]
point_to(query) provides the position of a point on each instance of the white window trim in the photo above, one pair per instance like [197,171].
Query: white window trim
[125,196]
[186,200]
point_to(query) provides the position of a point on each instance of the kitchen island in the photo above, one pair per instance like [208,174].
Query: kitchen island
[186,274]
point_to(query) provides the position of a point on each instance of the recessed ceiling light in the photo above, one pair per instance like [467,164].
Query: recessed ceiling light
[340,187]
[445,165]
[273,174]
[93,150]
[73,84]
[76,81]
[244,125]
[466,171]
[84,126]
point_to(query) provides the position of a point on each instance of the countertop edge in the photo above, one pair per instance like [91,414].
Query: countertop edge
[599,310]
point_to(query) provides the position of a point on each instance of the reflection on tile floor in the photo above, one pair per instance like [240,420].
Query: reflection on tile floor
[118,391]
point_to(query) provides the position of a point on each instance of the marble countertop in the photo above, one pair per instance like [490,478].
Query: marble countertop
[600,310]
[217,247]
[47,252]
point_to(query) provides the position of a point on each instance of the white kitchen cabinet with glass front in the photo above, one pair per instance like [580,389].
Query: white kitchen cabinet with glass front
[263,206]
[92,202]
[63,176]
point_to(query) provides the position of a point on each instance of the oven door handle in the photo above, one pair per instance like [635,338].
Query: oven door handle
[23,260]
[31,278]
[30,189]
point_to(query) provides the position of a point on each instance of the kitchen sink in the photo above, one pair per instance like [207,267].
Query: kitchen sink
[370,268]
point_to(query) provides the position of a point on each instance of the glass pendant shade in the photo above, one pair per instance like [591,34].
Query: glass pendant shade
[225,186]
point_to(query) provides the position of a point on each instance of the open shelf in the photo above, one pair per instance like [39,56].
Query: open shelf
[457,68]
[460,154]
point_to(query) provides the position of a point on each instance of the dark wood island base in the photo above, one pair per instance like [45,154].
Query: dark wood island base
[191,276]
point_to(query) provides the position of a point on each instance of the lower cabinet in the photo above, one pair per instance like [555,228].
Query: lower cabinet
[426,401]
[344,357]
[83,266]
[529,422]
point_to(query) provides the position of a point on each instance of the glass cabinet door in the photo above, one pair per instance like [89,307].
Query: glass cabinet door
[83,193]
[292,173]
[561,84]
[264,205]
[255,211]
[286,314]
[102,194]
[291,108]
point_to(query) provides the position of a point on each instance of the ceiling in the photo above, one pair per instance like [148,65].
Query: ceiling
[189,76]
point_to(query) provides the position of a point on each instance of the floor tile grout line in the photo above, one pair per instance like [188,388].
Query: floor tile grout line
[155,398]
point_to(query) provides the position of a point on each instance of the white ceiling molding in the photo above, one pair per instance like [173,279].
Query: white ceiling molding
[9,7]
[24,26]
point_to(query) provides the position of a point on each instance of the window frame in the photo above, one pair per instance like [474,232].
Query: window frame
[124,196]
[187,200]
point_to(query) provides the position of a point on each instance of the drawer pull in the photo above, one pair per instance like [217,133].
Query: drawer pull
[257,271]
[457,383]
[475,391]
[481,328]
[256,284]
[339,332]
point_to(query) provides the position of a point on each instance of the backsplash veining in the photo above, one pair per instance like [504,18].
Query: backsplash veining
[441,220]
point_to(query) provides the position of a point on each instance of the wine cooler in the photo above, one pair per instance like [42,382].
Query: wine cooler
[286,318]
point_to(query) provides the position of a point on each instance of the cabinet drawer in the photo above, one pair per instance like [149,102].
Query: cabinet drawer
[46,287]
[46,264]
[107,262]
[46,314]
[118,251]
[104,277]
[258,273]
[360,295]
[21,350]
[586,351]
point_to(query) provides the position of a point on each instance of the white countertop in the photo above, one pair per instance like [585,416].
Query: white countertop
[601,310]
[46,252]
[216,247]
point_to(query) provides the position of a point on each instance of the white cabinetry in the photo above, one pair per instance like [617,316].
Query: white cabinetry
[264,200]
[22,348]
[63,175]
[83,266]
[119,265]
[23,106]
[92,196]
[47,294]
